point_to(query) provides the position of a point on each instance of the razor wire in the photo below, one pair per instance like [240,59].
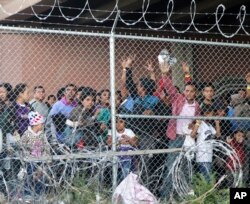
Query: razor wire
[84,169]
[218,15]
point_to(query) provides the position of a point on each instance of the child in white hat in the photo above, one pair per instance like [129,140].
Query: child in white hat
[34,141]
[34,144]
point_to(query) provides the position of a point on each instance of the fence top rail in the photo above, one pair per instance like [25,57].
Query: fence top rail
[183,117]
[134,37]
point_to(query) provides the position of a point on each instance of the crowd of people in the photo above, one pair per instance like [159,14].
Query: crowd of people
[80,116]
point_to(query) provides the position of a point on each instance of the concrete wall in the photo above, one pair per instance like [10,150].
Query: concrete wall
[55,60]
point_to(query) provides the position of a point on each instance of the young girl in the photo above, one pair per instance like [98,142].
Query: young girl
[34,144]
[126,140]
[237,143]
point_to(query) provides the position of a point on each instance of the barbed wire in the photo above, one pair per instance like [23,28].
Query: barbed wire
[182,182]
[218,15]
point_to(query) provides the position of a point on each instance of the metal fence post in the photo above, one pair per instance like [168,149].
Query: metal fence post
[113,108]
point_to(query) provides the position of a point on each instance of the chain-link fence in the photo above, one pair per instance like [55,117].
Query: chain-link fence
[181,121]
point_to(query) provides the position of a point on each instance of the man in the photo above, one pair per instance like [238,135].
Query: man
[208,94]
[37,102]
[182,105]
[60,111]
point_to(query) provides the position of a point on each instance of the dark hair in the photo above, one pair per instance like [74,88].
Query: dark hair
[60,93]
[85,93]
[2,105]
[207,84]
[239,130]
[190,83]
[20,88]
[38,87]
[8,88]
[219,104]
[104,90]
[148,85]
[81,88]
[51,96]
[207,109]
[70,85]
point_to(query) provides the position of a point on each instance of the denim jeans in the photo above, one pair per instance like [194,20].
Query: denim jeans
[167,187]
[204,169]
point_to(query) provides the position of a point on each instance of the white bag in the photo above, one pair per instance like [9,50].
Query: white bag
[188,142]
[131,192]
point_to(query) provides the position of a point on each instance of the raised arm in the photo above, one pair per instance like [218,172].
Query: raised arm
[127,76]
[149,67]
[166,82]
[186,71]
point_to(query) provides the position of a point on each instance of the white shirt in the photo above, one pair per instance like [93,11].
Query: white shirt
[189,141]
[204,151]
[187,110]
[126,131]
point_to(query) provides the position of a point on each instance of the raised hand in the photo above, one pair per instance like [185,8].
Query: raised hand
[185,68]
[128,61]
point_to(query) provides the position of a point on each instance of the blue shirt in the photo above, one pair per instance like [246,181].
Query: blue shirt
[148,102]
[62,107]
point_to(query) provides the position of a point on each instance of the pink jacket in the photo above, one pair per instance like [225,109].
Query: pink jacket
[177,101]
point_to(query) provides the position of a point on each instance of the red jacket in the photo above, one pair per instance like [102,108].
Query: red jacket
[239,149]
[177,100]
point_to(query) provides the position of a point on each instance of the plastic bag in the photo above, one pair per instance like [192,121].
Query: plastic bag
[131,192]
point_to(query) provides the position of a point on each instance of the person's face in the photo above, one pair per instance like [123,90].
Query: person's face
[105,97]
[88,102]
[39,94]
[52,100]
[239,137]
[208,93]
[248,78]
[3,93]
[70,93]
[38,128]
[25,95]
[189,92]
[120,125]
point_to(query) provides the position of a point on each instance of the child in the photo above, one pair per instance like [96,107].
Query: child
[34,144]
[126,140]
[34,141]
[237,143]
[203,130]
